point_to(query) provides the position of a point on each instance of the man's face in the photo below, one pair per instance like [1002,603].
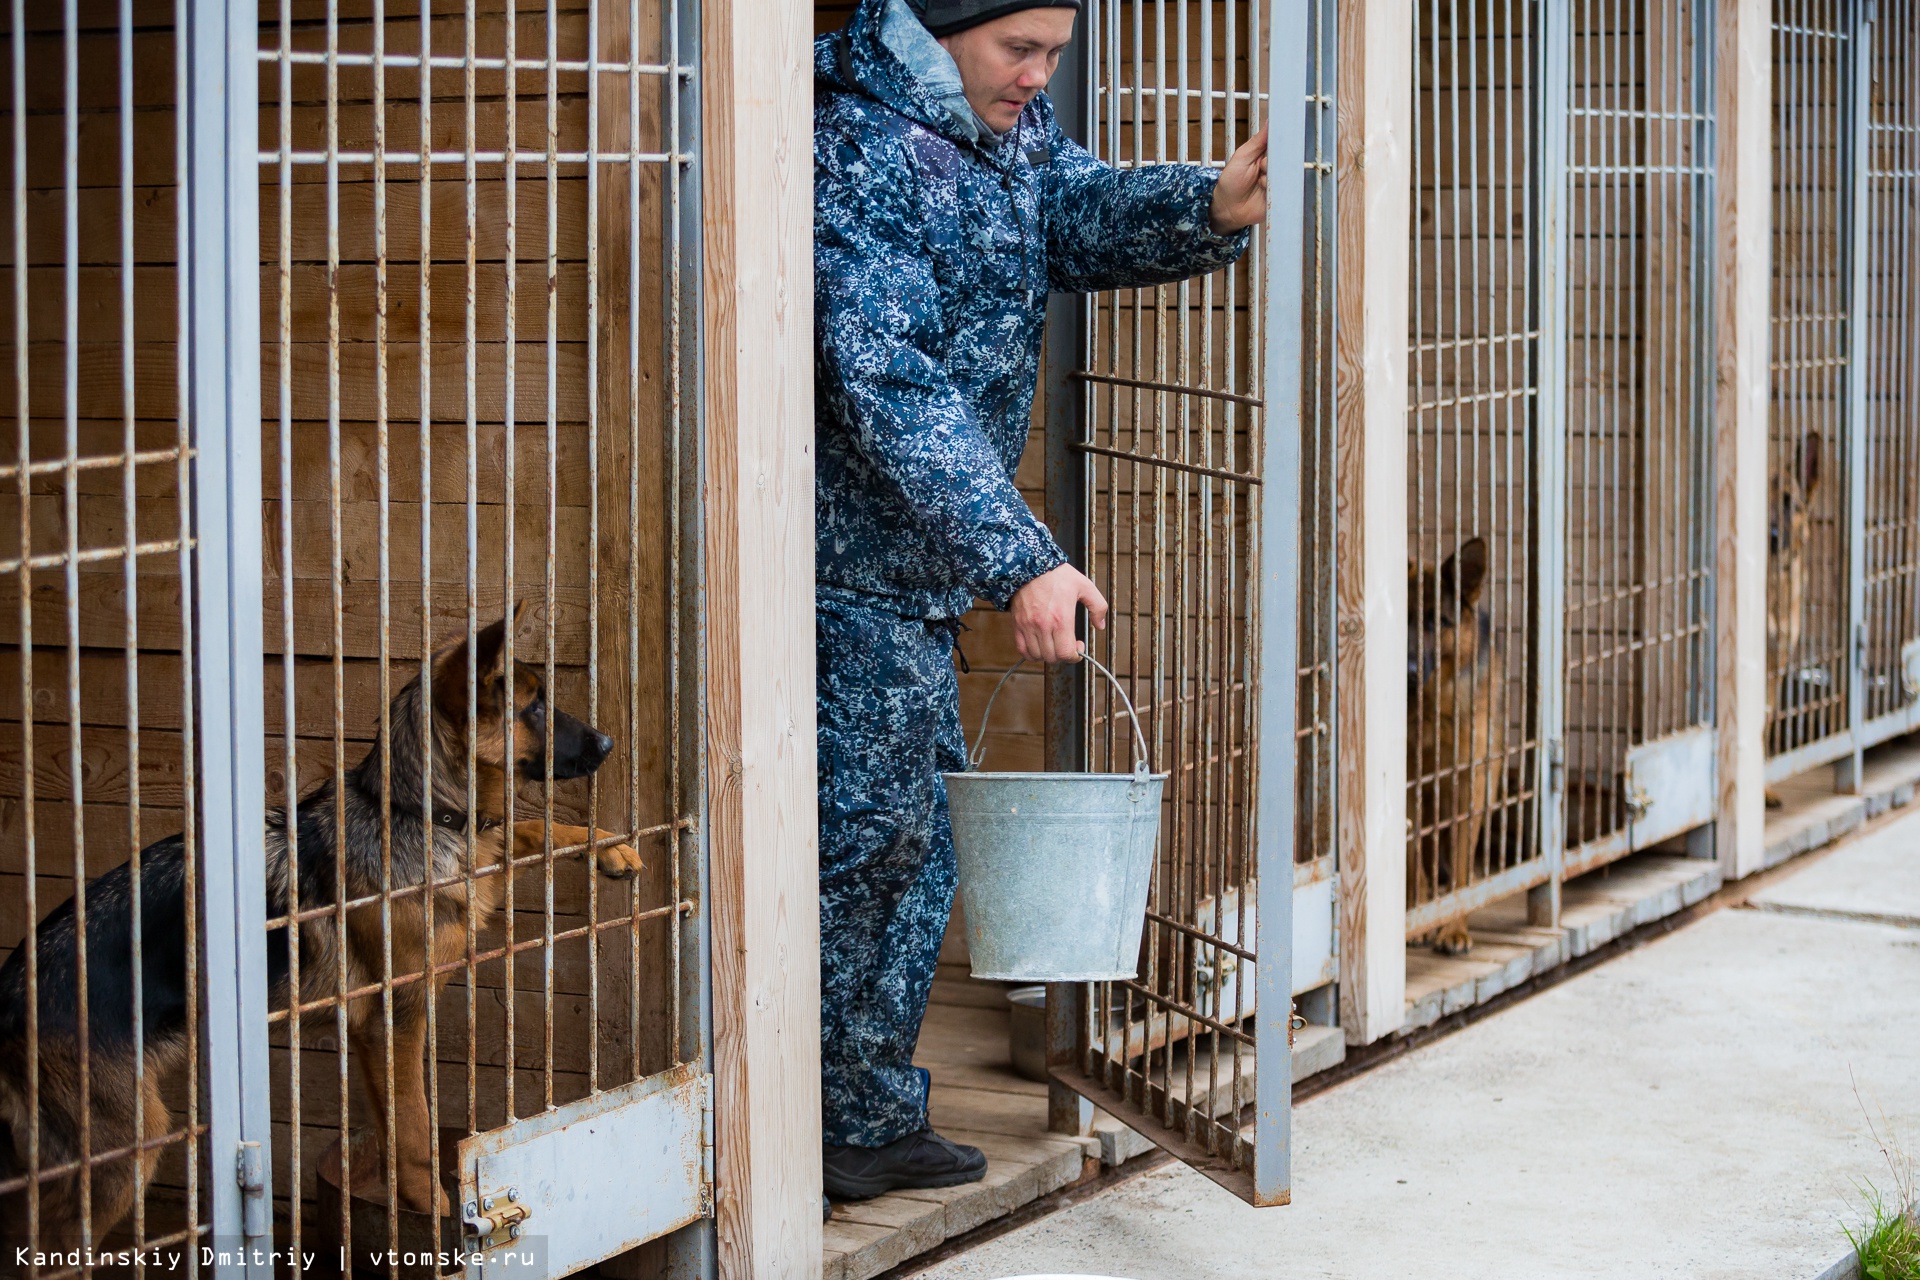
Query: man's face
[1004,63]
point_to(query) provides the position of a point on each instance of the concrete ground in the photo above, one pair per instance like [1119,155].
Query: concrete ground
[1686,1109]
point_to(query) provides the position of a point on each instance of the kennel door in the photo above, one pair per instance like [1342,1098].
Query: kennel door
[1189,409]
[479,265]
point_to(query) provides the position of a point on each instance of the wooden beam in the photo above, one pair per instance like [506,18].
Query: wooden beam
[1373,225]
[757,220]
[1745,216]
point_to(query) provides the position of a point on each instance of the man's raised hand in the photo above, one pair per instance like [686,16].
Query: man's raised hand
[1240,197]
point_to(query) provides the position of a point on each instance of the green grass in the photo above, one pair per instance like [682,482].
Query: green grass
[1888,1243]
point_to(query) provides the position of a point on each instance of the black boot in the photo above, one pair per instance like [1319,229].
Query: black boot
[923,1159]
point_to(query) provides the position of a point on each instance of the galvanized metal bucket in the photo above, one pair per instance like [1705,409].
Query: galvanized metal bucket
[1054,867]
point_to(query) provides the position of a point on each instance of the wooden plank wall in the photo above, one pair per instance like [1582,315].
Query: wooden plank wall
[1374,221]
[1744,209]
[757,274]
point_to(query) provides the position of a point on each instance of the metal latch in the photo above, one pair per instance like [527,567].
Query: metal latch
[1638,802]
[497,1218]
[1557,766]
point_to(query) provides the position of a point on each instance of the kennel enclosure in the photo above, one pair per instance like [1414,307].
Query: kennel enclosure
[1844,435]
[404,305]
[1562,320]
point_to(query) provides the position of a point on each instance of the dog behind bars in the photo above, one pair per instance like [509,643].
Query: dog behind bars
[1789,537]
[467,864]
[1456,728]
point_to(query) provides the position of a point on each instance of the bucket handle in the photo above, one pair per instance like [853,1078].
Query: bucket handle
[1141,769]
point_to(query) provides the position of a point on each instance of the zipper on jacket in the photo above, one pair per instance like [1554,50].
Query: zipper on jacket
[1013,199]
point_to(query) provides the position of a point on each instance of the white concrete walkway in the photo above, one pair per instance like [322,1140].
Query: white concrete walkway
[1683,1110]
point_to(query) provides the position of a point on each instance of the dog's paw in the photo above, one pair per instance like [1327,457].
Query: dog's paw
[1453,939]
[618,861]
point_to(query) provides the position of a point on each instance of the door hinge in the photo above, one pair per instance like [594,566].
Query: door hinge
[706,1147]
[1556,766]
[496,1219]
[250,1168]
[1860,646]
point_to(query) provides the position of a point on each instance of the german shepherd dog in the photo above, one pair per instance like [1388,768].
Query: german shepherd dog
[1789,535]
[467,865]
[1456,728]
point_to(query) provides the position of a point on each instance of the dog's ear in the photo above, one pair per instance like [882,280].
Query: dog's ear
[491,644]
[450,666]
[1809,464]
[1466,571]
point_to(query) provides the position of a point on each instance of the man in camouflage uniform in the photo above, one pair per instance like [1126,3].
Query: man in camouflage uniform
[947,204]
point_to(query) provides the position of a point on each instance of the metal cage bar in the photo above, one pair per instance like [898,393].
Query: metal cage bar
[1561,579]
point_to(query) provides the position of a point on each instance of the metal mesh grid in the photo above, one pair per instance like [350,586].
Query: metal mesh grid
[98,651]
[477,367]
[1892,517]
[1639,554]
[1474,367]
[1169,544]
[1171,487]
[1809,651]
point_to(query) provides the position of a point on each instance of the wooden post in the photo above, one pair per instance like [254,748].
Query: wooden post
[1744,58]
[757,275]
[1374,223]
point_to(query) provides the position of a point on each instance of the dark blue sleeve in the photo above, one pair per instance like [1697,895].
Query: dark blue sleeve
[878,320]
[1113,228]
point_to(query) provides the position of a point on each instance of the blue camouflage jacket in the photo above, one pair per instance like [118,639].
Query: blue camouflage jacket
[933,257]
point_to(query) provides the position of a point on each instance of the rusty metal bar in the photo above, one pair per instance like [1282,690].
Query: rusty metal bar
[17,48]
[1166,464]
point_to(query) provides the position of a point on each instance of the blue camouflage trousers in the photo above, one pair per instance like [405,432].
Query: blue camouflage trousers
[889,725]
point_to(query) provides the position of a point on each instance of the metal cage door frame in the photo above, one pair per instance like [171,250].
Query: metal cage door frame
[1628,626]
[1876,644]
[221,57]
[1199,485]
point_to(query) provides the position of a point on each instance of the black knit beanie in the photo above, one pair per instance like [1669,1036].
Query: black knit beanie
[945,17]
